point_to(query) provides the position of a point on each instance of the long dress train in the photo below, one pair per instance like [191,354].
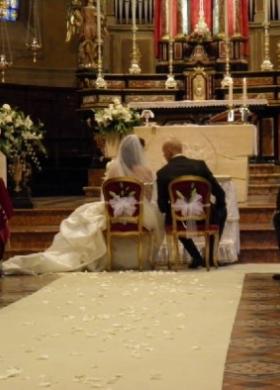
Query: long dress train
[80,244]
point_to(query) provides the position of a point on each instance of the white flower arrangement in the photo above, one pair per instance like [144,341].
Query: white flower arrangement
[116,119]
[20,138]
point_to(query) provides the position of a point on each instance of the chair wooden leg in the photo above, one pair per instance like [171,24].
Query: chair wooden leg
[207,252]
[215,249]
[151,249]
[169,243]
[109,249]
[140,252]
[176,244]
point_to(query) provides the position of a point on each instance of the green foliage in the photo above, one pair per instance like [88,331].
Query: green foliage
[20,138]
[116,119]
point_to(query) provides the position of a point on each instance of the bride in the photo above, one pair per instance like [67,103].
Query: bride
[80,244]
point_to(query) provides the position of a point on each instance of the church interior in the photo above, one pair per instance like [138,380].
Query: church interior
[204,71]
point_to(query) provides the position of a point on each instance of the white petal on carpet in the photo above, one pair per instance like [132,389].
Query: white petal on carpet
[122,331]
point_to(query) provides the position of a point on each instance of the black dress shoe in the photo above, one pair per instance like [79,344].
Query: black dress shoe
[196,263]
[276,276]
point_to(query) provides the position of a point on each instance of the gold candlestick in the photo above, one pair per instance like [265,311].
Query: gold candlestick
[134,66]
[170,83]
[100,82]
[244,91]
[266,64]
[227,80]
[4,64]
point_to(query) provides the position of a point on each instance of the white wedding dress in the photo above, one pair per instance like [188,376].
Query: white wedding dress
[80,244]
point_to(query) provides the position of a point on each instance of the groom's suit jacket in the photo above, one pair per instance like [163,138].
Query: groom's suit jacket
[179,166]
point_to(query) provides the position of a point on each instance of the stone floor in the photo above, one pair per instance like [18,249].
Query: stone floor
[253,355]
[13,288]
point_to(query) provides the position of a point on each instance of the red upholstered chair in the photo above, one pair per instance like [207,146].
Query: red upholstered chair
[123,198]
[190,211]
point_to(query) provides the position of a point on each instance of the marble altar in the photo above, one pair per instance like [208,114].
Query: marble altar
[224,147]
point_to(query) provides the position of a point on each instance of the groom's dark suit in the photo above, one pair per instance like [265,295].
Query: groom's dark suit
[180,165]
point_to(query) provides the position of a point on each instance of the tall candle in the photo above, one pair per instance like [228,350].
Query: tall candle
[167,27]
[234,16]
[201,8]
[170,19]
[244,89]
[133,11]
[98,20]
[226,19]
[265,4]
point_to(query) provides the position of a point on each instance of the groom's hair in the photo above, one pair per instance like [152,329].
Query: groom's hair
[172,146]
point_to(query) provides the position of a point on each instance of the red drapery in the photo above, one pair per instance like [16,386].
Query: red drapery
[160,22]
[245,24]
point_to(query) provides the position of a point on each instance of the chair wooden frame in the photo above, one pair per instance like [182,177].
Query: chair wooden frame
[136,221]
[189,232]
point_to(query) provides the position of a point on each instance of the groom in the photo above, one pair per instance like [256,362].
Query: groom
[179,165]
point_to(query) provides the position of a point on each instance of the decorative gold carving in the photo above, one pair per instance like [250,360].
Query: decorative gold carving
[198,84]
[149,98]
[88,100]
[199,87]
[146,84]
[108,98]
[199,55]
[116,84]
[253,81]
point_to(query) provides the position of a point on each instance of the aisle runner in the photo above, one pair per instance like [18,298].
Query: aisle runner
[253,357]
[121,331]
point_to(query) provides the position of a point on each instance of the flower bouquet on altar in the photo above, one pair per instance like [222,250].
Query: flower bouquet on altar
[21,143]
[116,119]
[113,123]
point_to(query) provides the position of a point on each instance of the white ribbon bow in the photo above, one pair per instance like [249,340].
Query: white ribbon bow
[189,209]
[123,206]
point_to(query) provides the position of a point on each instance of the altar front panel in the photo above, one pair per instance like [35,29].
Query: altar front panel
[225,148]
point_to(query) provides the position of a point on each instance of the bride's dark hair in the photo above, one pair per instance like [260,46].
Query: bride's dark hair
[131,153]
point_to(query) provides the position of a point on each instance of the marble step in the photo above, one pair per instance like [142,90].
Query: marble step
[263,168]
[256,213]
[264,178]
[263,189]
[266,254]
[35,217]
[257,235]
[262,199]
[262,193]
[41,236]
